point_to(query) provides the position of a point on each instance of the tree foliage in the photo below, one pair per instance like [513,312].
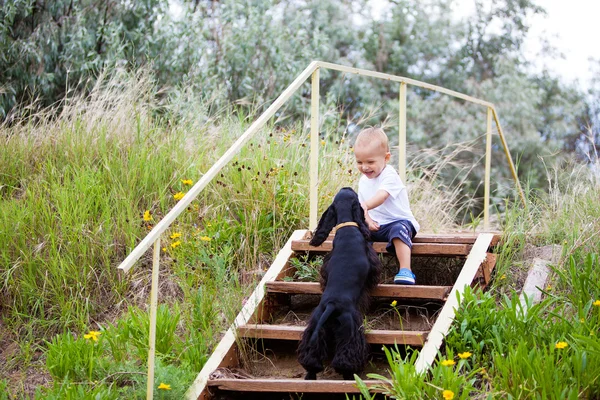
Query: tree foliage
[246,52]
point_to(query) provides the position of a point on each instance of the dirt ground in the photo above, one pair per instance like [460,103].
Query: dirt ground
[409,316]
[21,381]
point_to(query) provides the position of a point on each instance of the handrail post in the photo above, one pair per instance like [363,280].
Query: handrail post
[153,305]
[314,151]
[509,158]
[488,166]
[402,133]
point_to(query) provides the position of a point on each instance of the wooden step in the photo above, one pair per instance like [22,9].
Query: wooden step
[418,249]
[289,385]
[375,336]
[455,238]
[382,290]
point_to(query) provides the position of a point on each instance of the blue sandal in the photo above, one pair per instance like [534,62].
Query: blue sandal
[404,277]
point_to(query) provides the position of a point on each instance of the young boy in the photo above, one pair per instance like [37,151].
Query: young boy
[384,198]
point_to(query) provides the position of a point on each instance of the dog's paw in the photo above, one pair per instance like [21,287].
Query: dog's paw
[310,376]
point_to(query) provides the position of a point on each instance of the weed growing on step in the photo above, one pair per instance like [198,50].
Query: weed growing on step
[306,269]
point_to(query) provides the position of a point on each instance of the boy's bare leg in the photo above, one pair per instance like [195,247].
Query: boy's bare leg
[402,252]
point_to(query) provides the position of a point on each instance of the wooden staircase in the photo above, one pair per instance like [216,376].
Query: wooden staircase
[257,356]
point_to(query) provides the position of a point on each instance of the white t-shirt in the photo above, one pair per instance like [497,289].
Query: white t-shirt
[396,206]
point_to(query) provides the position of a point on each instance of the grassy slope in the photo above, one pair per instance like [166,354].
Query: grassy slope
[73,195]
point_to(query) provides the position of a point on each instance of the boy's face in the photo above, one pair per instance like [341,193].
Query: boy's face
[371,159]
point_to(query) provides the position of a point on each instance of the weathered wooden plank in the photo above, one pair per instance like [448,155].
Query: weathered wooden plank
[382,290]
[288,332]
[452,238]
[446,315]
[483,275]
[290,385]
[418,249]
[227,342]
[488,266]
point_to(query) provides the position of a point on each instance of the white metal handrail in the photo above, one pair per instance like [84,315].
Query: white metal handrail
[153,237]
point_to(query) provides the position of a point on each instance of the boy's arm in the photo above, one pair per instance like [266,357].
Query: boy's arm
[373,202]
[376,200]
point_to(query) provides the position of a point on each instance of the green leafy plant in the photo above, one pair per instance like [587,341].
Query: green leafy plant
[405,383]
[73,358]
[136,328]
[307,269]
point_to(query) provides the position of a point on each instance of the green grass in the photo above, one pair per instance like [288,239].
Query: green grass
[74,192]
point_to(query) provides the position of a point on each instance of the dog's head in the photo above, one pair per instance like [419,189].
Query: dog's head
[344,208]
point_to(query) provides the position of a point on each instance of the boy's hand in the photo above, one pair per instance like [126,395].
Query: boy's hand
[373,226]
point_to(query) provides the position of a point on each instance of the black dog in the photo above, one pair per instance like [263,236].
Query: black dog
[349,272]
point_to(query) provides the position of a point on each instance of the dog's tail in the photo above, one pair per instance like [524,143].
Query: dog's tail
[326,314]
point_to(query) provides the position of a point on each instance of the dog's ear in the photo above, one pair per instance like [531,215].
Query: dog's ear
[358,215]
[325,225]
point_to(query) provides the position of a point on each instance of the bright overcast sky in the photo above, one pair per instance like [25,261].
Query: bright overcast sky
[570,25]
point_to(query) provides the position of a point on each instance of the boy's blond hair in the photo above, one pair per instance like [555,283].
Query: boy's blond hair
[372,137]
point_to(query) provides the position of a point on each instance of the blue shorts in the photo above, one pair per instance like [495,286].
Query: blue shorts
[401,229]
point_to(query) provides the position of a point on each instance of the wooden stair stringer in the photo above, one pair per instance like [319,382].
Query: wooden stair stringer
[227,343]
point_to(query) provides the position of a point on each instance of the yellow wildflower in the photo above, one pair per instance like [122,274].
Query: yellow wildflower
[561,345]
[448,394]
[187,182]
[448,363]
[394,303]
[205,238]
[164,249]
[175,235]
[503,276]
[147,215]
[178,196]
[596,303]
[464,355]
[92,335]
[175,244]
[322,143]
[164,386]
